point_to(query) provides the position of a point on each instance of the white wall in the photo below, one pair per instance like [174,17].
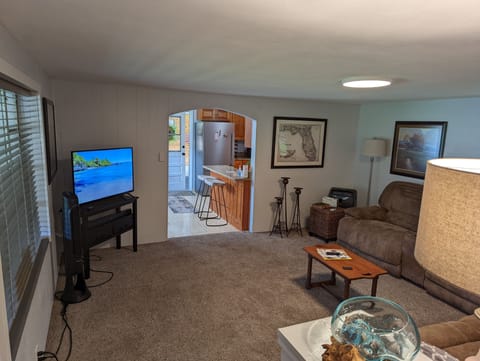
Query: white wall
[17,64]
[378,120]
[97,114]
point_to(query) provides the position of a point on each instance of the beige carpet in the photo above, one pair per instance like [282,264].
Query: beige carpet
[212,297]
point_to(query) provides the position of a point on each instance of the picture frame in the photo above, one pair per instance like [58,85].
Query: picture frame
[415,143]
[298,142]
[50,138]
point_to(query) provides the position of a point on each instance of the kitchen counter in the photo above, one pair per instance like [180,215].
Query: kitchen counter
[225,170]
[236,192]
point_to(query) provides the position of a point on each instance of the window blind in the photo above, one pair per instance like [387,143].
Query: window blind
[23,199]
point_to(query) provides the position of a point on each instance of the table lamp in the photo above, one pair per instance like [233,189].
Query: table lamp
[373,148]
[448,236]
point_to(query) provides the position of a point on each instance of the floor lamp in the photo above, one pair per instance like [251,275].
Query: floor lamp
[448,236]
[373,148]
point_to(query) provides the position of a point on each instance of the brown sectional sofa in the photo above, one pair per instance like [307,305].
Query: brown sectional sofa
[458,297]
[386,235]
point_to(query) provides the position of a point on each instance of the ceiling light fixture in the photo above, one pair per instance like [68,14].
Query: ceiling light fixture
[365,82]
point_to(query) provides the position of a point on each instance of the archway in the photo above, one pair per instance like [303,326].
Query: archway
[189,155]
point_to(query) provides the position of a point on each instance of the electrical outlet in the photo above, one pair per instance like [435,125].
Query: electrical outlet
[36,353]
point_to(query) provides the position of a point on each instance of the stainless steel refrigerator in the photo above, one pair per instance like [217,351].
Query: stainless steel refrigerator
[214,145]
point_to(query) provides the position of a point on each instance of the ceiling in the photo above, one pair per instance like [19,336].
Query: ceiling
[281,48]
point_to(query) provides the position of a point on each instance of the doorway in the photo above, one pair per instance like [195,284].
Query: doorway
[179,148]
[182,159]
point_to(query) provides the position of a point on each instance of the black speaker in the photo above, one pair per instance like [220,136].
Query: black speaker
[75,290]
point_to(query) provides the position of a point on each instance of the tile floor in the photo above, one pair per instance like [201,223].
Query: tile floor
[188,224]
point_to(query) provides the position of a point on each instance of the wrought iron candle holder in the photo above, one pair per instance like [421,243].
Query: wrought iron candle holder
[284,196]
[277,219]
[296,225]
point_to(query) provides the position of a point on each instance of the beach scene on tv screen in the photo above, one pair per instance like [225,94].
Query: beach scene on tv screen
[102,173]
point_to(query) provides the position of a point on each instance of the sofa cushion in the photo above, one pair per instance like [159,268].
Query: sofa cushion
[402,201]
[372,212]
[379,239]
[405,220]
[463,351]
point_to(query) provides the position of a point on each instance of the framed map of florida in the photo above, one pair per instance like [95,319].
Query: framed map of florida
[298,142]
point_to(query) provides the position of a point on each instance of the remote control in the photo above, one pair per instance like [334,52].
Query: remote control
[330,253]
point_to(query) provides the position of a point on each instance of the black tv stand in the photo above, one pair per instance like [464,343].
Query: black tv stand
[107,218]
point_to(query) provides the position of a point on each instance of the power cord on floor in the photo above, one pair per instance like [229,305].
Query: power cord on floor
[95,258]
[99,258]
[45,355]
[70,334]
[101,283]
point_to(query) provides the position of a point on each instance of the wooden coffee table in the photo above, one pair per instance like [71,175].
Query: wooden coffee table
[352,269]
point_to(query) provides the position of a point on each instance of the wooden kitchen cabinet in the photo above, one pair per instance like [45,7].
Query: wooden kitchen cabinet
[237,199]
[243,126]
[239,122]
[248,133]
[213,115]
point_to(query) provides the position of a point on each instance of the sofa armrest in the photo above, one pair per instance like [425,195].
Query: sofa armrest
[452,333]
[372,212]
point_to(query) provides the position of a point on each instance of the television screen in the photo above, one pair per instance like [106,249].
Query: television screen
[102,173]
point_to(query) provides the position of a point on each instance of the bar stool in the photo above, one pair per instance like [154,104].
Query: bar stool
[203,193]
[217,200]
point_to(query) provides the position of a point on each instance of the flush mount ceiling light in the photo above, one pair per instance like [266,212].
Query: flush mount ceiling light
[365,82]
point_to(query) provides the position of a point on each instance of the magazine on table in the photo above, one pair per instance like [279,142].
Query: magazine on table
[333,254]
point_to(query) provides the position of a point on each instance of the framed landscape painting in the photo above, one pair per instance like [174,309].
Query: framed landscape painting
[298,142]
[414,144]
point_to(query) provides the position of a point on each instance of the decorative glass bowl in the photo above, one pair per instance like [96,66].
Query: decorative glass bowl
[380,329]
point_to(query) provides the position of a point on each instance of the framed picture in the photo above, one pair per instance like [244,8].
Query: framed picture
[298,142]
[50,138]
[414,144]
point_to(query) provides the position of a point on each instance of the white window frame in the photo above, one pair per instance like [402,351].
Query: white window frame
[5,343]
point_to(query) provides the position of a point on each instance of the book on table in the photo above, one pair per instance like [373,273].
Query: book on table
[333,254]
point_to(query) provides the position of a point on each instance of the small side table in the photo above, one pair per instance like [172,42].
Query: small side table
[303,342]
[323,221]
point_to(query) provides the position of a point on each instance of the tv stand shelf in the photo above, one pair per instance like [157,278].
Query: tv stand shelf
[104,219]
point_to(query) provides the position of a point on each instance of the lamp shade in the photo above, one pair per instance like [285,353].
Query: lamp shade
[374,148]
[448,235]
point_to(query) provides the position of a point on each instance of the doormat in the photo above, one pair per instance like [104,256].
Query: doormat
[179,205]
[181,193]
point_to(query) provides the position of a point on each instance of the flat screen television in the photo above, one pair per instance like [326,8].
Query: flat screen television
[102,173]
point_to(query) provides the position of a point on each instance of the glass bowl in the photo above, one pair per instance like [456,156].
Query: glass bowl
[380,329]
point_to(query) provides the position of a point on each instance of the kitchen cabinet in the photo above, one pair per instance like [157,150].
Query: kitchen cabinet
[237,199]
[214,115]
[248,133]
[243,126]
[239,122]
